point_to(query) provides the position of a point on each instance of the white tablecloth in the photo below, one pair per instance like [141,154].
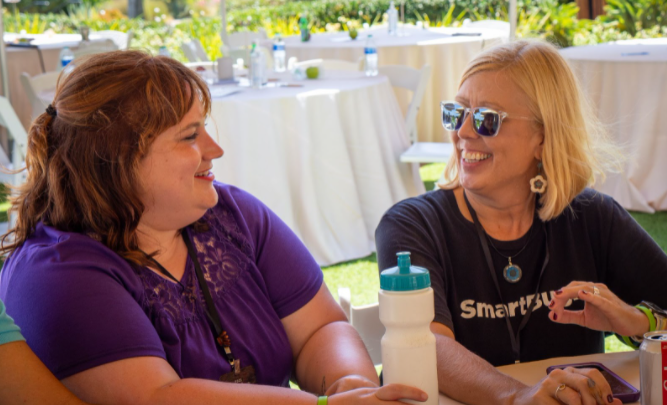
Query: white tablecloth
[324,157]
[448,56]
[627,84]
[625,365]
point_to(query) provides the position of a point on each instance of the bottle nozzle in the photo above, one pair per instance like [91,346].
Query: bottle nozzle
[404,262]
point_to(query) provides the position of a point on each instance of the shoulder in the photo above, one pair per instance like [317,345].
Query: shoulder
[434,209]
[428,205]
[591,204]
[246,206]
[53,254]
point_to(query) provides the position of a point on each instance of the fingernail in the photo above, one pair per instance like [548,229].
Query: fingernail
[610,398]
[555,316]
[424,396]
[559,292]
[584,292]
[552,303]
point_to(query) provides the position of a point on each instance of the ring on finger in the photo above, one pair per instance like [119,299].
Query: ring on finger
[559,389]
[596,291]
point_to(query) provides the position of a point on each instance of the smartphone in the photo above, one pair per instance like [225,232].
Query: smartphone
[620,388]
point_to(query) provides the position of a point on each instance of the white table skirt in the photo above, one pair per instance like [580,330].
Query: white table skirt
[448,56]
[324,157]
[625,365]
[627,84]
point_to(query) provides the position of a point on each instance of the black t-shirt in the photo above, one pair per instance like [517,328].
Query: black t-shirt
[596,240]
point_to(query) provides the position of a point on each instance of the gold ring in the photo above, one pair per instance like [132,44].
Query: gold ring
[596,291]
[558,389]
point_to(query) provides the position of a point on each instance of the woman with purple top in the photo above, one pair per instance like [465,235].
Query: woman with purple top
[139,280]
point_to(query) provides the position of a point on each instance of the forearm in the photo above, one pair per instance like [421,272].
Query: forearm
[466,377]
[334,351]
[21,372]
[205,392]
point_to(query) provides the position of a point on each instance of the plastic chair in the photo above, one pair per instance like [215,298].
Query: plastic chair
[366,320]
[331,64]
[416,81]
[120,39]
[243,39]
[86,48]
[194,51]
[35,85]
[16,158]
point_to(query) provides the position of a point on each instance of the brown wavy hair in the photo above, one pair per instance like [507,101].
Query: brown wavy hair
[83,162]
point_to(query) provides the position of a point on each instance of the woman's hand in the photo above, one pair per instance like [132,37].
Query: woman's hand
[349,382]
[388,394]
[603,310]
[572,386]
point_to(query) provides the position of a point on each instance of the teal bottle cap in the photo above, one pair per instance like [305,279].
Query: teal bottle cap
[404,277]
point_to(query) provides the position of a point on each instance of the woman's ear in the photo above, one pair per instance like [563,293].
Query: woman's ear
[539,147]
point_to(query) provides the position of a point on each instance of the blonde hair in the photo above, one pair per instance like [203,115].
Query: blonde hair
[576,146]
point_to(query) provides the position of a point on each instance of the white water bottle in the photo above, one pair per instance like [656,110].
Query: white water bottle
[371,57]
[66,56]
[392,17]
[279,54]
[408,345]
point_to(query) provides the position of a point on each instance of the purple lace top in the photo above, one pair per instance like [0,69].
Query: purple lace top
[79,305]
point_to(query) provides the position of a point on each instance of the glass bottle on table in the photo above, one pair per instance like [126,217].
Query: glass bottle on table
[392,17]
[279,54]
[163,51]
[257,65]
[303,27]
[65,58]
[371,57]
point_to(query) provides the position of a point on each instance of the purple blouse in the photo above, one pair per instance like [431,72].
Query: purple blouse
[80,305]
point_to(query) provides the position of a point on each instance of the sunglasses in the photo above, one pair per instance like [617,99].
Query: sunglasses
[485,121]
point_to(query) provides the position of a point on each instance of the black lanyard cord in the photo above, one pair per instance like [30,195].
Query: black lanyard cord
[514,338]
[211,313]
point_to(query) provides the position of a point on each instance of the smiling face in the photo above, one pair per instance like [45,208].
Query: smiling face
[506,162]
[177,182]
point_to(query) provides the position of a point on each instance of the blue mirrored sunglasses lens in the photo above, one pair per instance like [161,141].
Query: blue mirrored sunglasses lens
[486,122]
[452,116]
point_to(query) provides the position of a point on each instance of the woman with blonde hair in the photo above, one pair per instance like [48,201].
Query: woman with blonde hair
[137,279]
[526,262]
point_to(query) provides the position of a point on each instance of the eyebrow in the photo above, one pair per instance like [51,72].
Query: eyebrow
[190,125]
[465,101]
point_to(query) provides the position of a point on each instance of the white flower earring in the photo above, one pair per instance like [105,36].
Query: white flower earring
[538,184]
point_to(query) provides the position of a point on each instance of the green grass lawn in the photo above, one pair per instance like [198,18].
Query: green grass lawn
[361,275]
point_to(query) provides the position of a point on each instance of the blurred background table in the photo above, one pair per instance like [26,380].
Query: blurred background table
[627,84]
[27,60]
[447,54]
[324,157]
[625,365]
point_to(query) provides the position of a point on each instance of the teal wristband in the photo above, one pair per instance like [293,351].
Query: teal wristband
[323,400]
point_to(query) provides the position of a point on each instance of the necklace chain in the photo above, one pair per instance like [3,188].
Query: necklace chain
[509,258]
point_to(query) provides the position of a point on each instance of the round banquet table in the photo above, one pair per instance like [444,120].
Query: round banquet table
[324,157]
[626,82]
[447,54]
